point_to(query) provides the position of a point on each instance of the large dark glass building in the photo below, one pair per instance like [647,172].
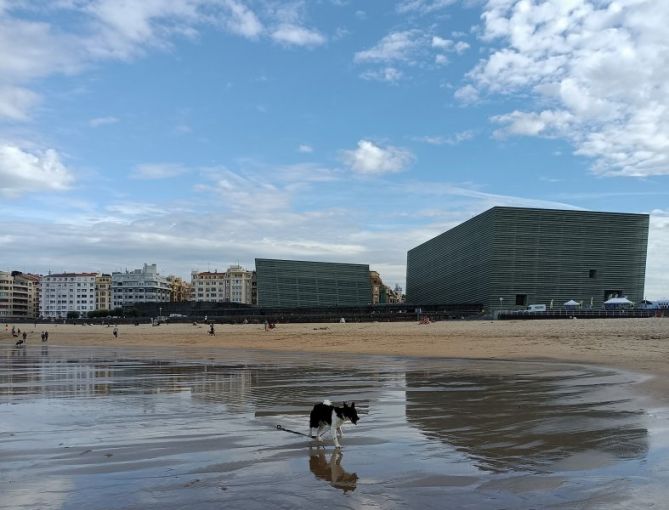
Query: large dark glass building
[294,283]
[509,257]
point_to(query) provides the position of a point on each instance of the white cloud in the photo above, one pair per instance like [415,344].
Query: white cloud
[422,6]
[295,35]
[467,94]
[547,123]
[600,66]
[372,159]
[242,21]
[23,170]
[117,30]
[455,139]
[460,47]
[305,149]
[16,102]
[387,74]
[103,121]
[123,28]
[441,43]
[396,46]
[151,171]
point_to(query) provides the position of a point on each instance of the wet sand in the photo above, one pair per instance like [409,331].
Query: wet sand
[114,427]
[640,345]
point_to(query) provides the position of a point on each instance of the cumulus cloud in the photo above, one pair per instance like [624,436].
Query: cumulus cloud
[23,170]
[467,94]
[602,67]
[400,46]
[295,35]
[372,159]
[305,149]
[387,74]
[243,21]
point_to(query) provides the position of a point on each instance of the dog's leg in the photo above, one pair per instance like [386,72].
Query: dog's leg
[340,431]
[333,431]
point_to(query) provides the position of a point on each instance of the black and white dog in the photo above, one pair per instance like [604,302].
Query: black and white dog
[325,414]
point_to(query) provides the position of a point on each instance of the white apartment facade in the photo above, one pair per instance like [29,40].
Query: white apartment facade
[67,292]
[232,286]
[139,286]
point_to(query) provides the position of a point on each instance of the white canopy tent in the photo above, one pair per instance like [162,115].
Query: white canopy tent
[571,302]
[618,302]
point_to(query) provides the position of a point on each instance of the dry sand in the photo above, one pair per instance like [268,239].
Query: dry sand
[639,345]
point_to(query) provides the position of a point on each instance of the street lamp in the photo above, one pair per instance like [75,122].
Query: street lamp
[160,312]
[501,302]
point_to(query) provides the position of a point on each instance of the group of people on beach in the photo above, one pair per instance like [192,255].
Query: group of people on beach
[23,336]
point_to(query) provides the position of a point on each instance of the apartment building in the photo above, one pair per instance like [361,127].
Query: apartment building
[103,284]
[233,286]
[139,286]
[19,293]
[180,290]
[68,292]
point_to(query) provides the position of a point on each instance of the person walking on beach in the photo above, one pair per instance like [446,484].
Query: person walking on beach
[115,332]
[24,336]
[46,336]
[211,330]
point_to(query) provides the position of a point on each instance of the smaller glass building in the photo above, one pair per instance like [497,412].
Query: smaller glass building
[295,283]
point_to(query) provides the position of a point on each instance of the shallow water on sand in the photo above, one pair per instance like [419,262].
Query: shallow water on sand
[130,428]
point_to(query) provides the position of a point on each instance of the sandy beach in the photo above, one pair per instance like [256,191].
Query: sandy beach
[640,345]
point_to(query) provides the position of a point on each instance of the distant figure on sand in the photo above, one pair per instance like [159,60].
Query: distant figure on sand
[269,325]
[24,336]
[115,332]
[211,330]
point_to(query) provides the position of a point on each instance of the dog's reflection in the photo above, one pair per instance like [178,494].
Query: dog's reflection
[331,471]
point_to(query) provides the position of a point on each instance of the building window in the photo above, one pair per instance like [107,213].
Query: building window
[521,299]
[592,273]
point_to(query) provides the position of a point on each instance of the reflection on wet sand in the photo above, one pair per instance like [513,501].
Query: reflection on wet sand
[163,430]
[510,421]
[331,470]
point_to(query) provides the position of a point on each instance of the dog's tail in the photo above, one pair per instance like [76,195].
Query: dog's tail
[327,402]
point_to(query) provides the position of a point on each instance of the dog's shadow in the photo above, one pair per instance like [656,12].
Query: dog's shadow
[331,471]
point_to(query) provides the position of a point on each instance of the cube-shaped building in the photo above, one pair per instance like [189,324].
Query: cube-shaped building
[294,283]
[509,257]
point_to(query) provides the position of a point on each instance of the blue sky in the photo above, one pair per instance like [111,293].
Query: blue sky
[200,133]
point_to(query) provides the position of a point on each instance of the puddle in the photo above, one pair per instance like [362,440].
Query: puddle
[133,428]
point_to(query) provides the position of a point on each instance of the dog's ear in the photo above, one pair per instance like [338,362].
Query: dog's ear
[345,404]
[352,404]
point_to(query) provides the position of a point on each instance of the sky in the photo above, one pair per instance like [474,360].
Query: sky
[196,134]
